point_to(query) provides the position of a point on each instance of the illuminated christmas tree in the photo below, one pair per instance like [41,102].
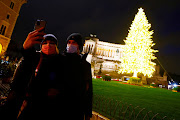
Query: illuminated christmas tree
[138,54]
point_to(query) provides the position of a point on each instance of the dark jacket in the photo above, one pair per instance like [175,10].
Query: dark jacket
[62,88]
[79,85]
[43,92]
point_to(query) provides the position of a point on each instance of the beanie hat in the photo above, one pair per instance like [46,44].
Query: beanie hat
[50,37]
[76,37]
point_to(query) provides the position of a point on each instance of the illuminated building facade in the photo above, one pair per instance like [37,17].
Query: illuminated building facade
[104,56]
[9,12]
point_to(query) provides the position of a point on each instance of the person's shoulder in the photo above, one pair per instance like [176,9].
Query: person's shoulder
[84,59]
[84,56]
[60,57]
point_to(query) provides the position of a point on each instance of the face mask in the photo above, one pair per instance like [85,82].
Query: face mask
[72,48]
[49,49]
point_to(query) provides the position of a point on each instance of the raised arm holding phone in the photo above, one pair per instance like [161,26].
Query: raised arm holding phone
[37,88]
[36,36]
[48,85]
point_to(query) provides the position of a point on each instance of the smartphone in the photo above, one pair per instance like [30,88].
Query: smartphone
[39,24]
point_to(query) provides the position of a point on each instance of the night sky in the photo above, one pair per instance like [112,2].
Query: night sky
[108,19]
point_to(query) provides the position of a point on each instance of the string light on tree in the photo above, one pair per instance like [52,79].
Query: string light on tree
[138,52]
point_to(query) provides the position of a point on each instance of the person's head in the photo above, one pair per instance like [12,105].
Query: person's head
[74,43]
[49,45]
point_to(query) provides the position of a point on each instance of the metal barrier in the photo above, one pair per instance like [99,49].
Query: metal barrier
[111,109]
[117,110]
[97,116]
[4,89]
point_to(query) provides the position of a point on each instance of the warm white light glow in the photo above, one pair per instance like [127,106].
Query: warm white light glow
[0,48]
[137,51]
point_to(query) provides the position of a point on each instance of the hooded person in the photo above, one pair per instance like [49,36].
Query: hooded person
[36,91]
[79,91]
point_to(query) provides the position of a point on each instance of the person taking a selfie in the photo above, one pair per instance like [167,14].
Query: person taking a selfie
[37,90]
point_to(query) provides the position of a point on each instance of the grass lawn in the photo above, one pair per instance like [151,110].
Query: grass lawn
[162,101]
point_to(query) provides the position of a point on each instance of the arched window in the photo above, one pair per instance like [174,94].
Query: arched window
[91,48]
[2,27]
[3,30]
[117,51]
[12,5]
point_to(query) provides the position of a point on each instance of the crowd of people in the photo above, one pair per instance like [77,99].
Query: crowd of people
[48,84]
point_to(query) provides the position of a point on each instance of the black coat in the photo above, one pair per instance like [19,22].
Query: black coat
[45,90]
[78,82]
[62,88]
